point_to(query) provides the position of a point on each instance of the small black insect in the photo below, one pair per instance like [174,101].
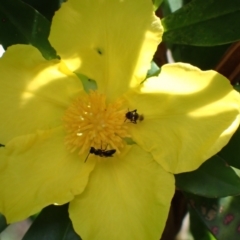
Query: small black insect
[133,116]
[1,145]
[101,152]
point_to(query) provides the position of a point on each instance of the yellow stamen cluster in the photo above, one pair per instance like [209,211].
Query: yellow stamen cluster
[91,122]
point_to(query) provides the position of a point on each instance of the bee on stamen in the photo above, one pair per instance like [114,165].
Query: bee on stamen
[133,116]
[101,152]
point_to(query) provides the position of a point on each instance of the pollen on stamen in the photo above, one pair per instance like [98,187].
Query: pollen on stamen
[91,122]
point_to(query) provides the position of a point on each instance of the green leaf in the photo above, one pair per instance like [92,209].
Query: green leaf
[88,84]
[221,216]
[154,70]
[204,23]
[203,57]
[157,3]
[20,23]
[45,7]
[198,228]
[231,152]
[52,223]
[3,223]
[170,6]
[214,178]
[237,87]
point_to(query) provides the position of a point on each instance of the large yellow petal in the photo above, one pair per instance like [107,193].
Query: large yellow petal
[127,197]
[34,92]
[36,170]
[189,115]
[110,41]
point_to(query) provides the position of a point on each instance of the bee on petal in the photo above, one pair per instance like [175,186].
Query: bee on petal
[133,116]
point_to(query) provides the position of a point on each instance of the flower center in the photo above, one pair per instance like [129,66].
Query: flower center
[90,122]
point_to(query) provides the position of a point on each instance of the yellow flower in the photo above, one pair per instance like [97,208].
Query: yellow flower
[49,123]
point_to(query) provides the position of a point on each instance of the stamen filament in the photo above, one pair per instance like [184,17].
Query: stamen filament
[91,122]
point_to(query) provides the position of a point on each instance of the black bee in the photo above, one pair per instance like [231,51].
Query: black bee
[1,145]
[133,116]
[101,152]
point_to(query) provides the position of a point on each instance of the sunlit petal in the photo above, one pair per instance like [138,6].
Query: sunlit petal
[127,197]
[36,170]
[34,92]
[189,115]
[110,41]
